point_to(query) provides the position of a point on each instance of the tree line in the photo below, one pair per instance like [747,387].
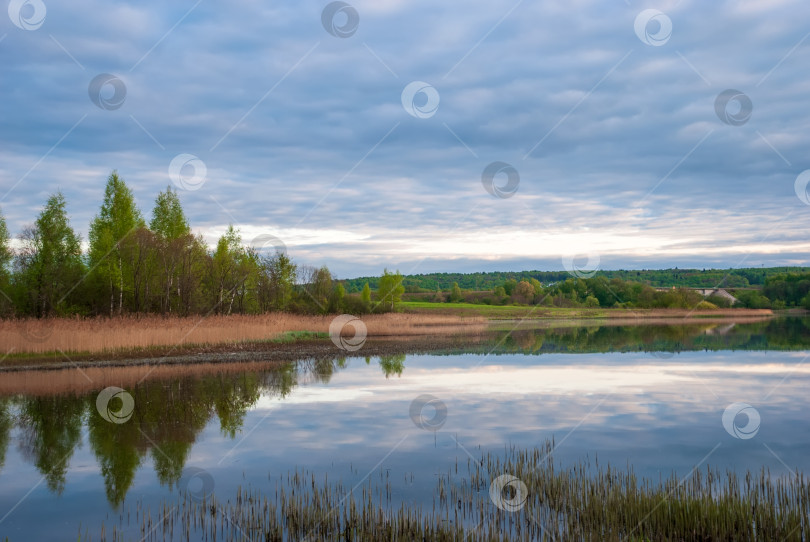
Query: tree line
[133,266]
[784,290]
[686,278]
[780,291]
[593,292]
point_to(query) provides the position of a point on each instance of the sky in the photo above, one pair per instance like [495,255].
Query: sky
[425,136]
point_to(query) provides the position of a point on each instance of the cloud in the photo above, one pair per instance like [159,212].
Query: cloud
[617,142]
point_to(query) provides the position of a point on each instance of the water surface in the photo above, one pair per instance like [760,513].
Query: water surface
[652,397]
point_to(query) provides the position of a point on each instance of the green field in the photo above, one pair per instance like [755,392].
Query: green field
[513,312]
[508,311]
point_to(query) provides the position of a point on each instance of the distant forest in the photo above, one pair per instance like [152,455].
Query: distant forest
[680,278]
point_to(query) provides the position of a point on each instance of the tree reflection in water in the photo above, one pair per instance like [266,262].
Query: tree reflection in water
[168,417]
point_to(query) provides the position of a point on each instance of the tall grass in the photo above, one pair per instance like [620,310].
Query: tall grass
[582,502]
[99,335]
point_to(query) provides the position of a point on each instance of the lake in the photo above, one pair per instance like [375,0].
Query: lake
[661,399]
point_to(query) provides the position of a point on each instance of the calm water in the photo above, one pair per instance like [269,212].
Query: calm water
[652,397]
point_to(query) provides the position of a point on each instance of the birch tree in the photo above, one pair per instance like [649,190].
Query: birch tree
[112,238]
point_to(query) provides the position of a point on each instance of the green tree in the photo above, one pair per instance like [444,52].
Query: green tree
[143,268]
[249,269]
[229,269]
[365,297]
[6,257]
[438,296]
[168,219]
[318,287]
[455,293]
[49,266]
[112,247]
[753,299]
[524,292]
[390,289]
[173,244]
[789,288]
[337,298]
[509,286]
[279,273]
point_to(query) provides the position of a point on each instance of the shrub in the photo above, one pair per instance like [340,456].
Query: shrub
[720,301]
[455,294]
[752,299]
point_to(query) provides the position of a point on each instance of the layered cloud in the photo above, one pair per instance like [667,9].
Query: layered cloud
[607,113]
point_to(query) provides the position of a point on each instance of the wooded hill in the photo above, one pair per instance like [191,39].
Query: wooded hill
[688,278]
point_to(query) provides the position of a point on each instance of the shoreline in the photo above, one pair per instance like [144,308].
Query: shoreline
[414,336]
[94,374]
[257,353]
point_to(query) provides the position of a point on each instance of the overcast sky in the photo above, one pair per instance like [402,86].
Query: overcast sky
[361,135]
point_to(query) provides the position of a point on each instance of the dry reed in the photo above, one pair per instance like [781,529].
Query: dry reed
[99,335]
